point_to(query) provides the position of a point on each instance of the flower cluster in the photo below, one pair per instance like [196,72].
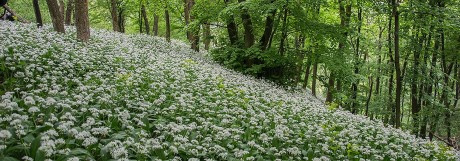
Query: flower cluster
[137,97]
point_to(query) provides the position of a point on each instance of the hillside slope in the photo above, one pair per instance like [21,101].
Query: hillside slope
[137,97]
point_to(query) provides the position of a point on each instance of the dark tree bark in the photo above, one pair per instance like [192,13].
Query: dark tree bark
[314,77]
[56,16]
[371,82]
[354,85]
[82,21]
[207,36]
[248,28]
[398,91]
[416,106]
[187,8]
[146,20]
[232,29]
[114,14]
[68,12]
[38,15]
[284,32]
[121,20]
[141,28]
[168,26]
[307,72]
[155,24]
[265,39]
[62,7]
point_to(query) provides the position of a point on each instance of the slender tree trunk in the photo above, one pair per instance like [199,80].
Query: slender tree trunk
[307,72]
[56,16]
[315,75]
[146,20]
[168,26]
[371,82]
[265,39]
[330,87]
[248,28]
[397,66]
[68,12]
[232,29]
[121,20]
[114,14]
[82,21]
[207,36]
[354,85]
[284,34]
[187,19]
[416,107]
[38,15]
[155,24]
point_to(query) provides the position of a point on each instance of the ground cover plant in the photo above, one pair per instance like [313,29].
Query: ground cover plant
[137,97]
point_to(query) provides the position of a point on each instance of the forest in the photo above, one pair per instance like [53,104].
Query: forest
[378,65]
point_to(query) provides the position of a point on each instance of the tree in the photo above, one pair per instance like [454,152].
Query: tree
[56,15]
[38,15]
[68,12]
[146,20]
[81,20]
[114,14]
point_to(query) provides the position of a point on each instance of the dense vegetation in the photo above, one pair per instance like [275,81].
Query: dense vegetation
[139,97]
[395,61]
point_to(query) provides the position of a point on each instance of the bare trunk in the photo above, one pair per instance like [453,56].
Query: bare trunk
[146,20]
[114,13]
[207,36]
[68,13]
[265,39]
[38,15]
[56,16]
[248,28]
[313,81]
[284,34]
[155,24]
[82,21]
[168,26]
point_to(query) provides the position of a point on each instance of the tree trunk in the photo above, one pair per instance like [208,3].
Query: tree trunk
[168,26]
[330,87]
[232,29]
[307,72]
[207,36]
[82,21]
[248,28]
[265,39]
[371,82]
[314,78]
[56,16]
[114,13]
[416,106]
[187,19]
[284,34]
[397,66]
[38,15]
[354,85]
[68,13]
[121,20]
[62,7]
[155,24]
[146,20]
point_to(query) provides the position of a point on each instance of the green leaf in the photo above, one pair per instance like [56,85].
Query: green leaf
[34,146]
[8,159]
[40,156]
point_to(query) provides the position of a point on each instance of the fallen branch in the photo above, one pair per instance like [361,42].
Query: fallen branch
[451,144]
[14,14]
